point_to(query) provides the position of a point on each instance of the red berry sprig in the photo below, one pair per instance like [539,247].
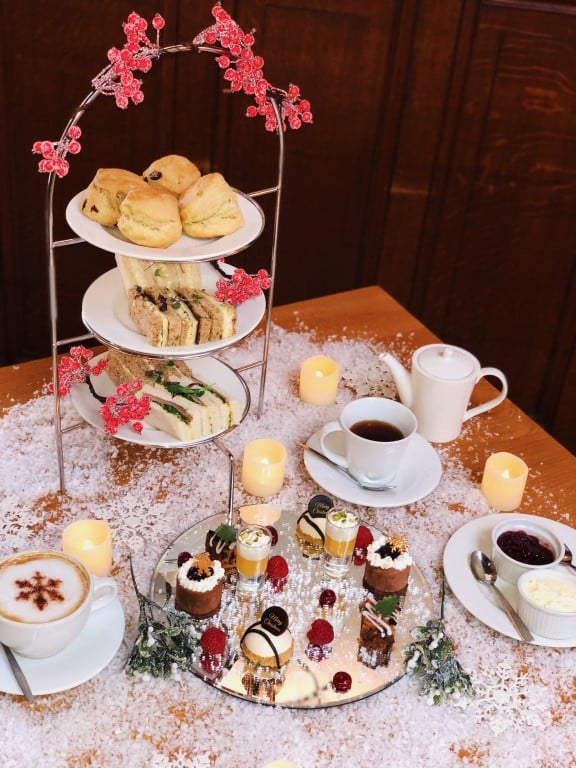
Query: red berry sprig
[125,406]
[241,286]
[117,79]
[243,70]
[75,369]
[54,153]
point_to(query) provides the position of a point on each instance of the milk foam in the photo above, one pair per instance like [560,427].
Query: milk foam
[40,589]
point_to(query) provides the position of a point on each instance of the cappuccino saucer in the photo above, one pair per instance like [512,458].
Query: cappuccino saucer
[85,657]
[419,475]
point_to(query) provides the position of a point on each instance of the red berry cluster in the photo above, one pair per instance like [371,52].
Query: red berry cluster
[241,286]
[213,644]
[320,635]
[54,154]
[75,369]
[124,407]
[243,70]
[277,573]
[117,79]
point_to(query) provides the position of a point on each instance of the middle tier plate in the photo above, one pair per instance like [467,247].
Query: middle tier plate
[105,314]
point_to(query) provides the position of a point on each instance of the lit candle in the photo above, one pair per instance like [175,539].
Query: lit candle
[319,377]
[260,514]
[503,481]
[263,467]
[90,541]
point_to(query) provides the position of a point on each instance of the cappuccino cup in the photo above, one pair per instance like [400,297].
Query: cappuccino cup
[370,438]
[46,598]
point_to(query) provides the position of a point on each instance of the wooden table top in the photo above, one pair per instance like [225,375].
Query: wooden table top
[113,720]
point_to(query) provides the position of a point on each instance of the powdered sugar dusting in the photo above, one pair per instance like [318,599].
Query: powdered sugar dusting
[523,714]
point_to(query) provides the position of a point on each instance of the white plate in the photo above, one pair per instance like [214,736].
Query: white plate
[85,657]
[419,475]
[208,369]
[184,249]
[474,596]
[105,314]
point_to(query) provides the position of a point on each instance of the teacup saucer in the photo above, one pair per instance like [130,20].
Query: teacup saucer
[419,475]
[93,649]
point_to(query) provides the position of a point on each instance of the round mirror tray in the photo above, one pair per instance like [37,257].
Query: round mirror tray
[303,683]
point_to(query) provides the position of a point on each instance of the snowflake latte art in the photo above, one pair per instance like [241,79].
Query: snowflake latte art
[37,588]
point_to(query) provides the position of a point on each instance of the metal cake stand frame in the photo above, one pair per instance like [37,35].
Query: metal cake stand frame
[275,97]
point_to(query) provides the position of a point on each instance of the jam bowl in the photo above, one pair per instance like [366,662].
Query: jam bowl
[547,602]
[523,544]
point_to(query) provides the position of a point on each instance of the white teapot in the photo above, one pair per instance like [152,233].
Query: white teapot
[438,389]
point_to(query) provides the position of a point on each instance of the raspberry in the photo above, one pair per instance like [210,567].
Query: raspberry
[273,533]
[213,641]
[318,652]
[183,557]
[277,567]
[341,682]
[321,632]
[364,537]
[327,598]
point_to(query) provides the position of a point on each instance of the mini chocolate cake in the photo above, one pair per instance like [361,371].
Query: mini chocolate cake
[388,567]
[199,586]
[221,545]
[377,625]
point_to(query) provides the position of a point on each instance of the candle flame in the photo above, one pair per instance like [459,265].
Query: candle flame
[506,474]
[87,544]
[319,374]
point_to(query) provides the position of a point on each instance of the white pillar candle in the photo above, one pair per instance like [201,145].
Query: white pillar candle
[263,467]
[319,376]
[504,480]
[90,541]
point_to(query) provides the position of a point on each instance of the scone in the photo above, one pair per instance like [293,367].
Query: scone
[106,191]
[150,217]
[174,173]
[209,208]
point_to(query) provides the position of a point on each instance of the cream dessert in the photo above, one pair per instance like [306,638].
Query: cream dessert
[388,565]
[268,642]
[311,526]
[199,586]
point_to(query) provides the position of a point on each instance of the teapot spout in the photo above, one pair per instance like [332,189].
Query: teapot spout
[401,377]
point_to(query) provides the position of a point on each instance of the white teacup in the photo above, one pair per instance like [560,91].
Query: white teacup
[46,598]
[376,432]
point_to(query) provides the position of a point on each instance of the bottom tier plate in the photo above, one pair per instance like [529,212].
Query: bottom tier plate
[303,684]
[209,370]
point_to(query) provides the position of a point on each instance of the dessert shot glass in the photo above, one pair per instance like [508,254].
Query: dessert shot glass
[253,546]
[341,531]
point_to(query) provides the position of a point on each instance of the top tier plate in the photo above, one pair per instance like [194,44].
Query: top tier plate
[184,249]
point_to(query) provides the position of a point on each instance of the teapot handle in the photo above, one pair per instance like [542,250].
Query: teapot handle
[483,407]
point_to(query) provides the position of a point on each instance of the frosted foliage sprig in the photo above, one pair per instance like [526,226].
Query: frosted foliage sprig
[75,368]
[166,641]
[244,72]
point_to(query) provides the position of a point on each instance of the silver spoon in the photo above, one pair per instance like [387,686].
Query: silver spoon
[567,558]
[484,571]
[359,483]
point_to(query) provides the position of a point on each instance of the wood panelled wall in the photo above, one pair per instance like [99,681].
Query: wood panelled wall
[441,163]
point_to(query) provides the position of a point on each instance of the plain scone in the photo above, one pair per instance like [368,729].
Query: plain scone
[150,217]
[175,173]
[209,208]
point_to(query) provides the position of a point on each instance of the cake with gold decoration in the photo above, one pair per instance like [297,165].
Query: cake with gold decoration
[199,586]
[388,564]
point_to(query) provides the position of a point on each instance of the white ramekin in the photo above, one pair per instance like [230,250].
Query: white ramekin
[510,569]
[558,625]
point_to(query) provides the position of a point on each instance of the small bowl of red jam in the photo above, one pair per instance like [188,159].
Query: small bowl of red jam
[523,544]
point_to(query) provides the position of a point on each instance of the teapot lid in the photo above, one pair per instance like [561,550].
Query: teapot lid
[444,361]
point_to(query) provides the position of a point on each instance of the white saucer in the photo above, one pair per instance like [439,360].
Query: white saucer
[419,475]
[474,596]
[93,649]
